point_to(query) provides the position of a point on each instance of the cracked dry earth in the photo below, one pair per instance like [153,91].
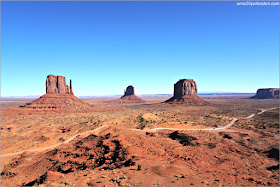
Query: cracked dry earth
[118,156]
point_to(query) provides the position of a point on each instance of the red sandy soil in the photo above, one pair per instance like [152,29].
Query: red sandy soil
[246,154]
[118,156]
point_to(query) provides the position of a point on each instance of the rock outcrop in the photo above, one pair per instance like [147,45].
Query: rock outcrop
[185,87]
[57,85]
[58,96]
[129,91]
[129,97]
[267,93]
[185,92]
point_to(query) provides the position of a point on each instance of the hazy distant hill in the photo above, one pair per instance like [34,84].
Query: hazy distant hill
[202,94]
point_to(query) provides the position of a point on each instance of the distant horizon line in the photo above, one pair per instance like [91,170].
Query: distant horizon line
[116,95]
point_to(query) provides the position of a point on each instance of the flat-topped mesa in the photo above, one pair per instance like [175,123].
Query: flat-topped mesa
[267,93]
[185,92]
[57,85]
[129,91]
[185,87]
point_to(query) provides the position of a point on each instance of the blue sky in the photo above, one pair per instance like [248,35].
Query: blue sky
[105,46]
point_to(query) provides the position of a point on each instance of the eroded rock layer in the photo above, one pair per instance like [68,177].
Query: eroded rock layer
[129,97]
[58,96]
[59,101]
[57,85]
[185,87]
[185,92]
[267,93]
[129,91]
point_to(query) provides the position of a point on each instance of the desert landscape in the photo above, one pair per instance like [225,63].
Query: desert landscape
[139,93]
[60,140]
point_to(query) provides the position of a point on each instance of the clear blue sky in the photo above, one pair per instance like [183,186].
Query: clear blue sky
[105,46]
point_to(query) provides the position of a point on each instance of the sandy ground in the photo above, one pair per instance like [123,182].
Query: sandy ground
[111,151]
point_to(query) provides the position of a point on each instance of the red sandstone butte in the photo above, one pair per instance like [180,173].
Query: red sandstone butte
[267,93]
[129,91]
[58,96]
[185,92]
[57,85]
[129,97]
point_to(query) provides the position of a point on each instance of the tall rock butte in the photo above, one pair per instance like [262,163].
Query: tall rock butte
[129,91]
[58,96]
[57,85]
[185,92]
[267,93]
[129,97]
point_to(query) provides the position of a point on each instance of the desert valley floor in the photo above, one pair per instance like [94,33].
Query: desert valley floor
[123,145]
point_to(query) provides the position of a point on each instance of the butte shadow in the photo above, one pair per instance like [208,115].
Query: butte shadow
[59,96]
[185,92]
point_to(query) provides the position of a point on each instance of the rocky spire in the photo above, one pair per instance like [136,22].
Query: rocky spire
[71,88]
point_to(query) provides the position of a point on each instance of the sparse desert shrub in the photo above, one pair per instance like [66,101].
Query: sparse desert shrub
[241,142]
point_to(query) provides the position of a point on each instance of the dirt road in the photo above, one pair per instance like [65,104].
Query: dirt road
[213,128]
[56,145]
[155,129]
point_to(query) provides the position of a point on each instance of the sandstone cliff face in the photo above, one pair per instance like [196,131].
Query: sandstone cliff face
[185,87]
[185,92]
[129,91]
[129,97]
[57,85]
[267,93]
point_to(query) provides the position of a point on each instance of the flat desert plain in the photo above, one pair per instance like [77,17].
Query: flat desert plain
[230,142]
